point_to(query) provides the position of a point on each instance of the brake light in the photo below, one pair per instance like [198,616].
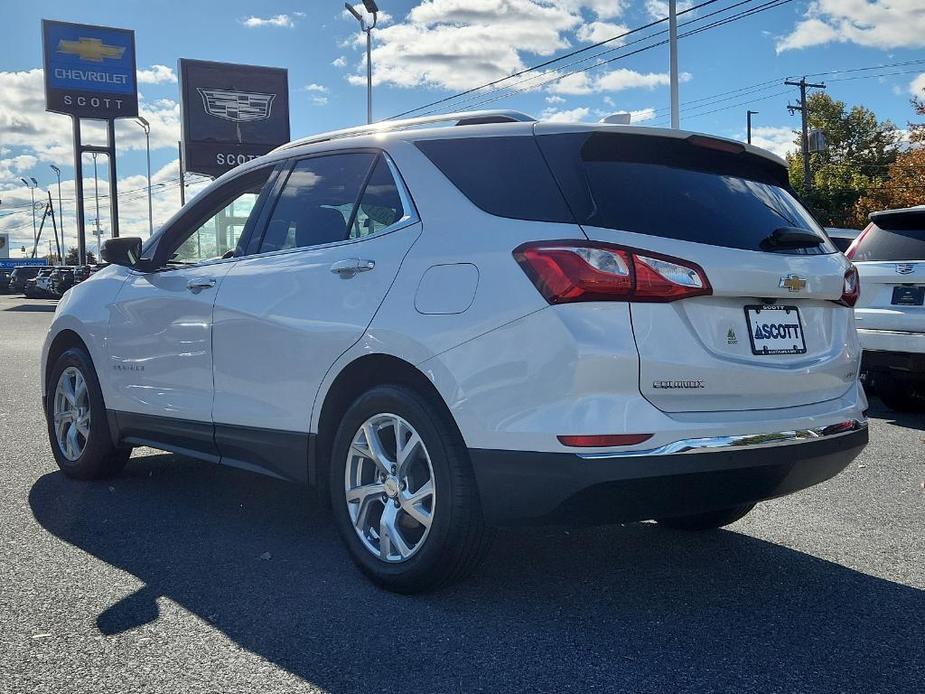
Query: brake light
[604,440]
[851,288]
[852,249]
[570,271]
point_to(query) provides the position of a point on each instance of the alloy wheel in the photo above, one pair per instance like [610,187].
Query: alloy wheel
[390,487]
[71,412]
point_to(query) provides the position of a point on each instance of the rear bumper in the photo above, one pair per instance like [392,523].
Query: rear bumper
[891,341]
[907,364]
[520,487]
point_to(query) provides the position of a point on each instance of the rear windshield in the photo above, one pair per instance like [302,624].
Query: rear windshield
[674,189]
[891,244]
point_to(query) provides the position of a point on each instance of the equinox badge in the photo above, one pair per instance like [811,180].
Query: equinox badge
[792,282]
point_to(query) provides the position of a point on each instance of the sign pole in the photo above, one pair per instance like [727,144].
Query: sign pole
[79,194]
[113,181]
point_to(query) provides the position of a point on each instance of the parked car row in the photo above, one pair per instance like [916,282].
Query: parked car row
[44,282]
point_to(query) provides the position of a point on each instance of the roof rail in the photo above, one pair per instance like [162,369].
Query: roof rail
[459,118]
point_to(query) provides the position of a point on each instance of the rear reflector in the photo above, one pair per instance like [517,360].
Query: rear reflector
[569,271]
[604,440]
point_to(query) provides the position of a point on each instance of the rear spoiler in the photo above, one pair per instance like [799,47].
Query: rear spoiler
[904,218]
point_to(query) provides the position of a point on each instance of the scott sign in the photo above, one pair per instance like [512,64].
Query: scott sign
[89,70]
[231,113]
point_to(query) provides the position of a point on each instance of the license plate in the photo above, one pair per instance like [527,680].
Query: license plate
[775,330]
[908,296]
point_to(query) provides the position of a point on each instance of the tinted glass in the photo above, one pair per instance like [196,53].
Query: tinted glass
[505,176]
[317,202]
[891,244]
[380,207]
[674,189]
[224,221]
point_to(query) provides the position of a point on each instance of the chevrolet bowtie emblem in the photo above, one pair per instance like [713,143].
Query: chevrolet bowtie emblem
[93,50]
[792,282]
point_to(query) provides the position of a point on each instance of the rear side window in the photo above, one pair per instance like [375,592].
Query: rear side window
[504,176]
[891,244]
[674,189]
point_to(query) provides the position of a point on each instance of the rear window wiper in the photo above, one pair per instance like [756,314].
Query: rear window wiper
[789,237]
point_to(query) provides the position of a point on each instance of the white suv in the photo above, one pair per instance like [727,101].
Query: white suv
[454,328]
[890,257]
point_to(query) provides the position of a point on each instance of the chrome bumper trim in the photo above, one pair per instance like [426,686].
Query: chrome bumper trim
[710,444]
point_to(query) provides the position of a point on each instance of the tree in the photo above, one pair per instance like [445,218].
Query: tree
[72,259]
[904,185]
[858,153]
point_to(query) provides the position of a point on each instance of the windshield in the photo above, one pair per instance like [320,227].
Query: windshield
[878,243]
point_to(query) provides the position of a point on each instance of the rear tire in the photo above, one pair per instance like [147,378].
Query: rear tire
[709,520]
[898,395]
[438,539]
[78,429]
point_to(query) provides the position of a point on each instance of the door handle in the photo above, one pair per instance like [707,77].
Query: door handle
[351,266]
[200,283]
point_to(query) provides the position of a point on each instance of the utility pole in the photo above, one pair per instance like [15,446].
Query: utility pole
[60,223]
[673,63]
[804,116]
[748,116]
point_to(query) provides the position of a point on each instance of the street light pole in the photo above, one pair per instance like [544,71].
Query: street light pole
[673,63]
[96,187]
[748,117]
[60,215]
[147,128]
[32,186]
[373,9]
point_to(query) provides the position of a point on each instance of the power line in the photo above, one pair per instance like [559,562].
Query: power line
[555,78]
[552,61]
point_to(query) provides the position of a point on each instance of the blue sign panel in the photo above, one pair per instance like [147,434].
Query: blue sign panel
[89,70]
[10,263]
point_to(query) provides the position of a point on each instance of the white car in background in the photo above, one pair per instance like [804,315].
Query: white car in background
[453,328]
[842,237]
[890,257]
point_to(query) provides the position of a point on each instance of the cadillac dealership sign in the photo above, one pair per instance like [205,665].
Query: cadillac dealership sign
[89,70]
[231,113]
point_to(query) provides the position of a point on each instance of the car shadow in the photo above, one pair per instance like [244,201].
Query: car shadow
[33,308]
[907,420]
[633,608]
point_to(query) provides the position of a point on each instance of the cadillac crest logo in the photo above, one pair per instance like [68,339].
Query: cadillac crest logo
[238,107]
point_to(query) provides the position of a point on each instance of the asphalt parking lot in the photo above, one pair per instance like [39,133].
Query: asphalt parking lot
[179,576]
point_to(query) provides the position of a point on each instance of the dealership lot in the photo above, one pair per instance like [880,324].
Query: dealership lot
[179,576]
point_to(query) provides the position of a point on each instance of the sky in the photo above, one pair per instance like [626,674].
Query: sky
[869,52]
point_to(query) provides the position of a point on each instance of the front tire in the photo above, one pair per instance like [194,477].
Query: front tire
[710,520]
[403,493]
[78,430]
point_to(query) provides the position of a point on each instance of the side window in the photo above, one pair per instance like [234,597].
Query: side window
[380,206]
[316,205]
[222,224]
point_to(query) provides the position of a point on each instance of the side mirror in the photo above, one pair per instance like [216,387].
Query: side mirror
[124,251]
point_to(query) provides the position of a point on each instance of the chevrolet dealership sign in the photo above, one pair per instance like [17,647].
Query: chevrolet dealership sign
[231,113]
[89,70]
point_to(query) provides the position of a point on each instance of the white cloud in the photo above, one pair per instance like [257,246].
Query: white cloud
[339,61]
[884,24]
[613,81]
[777,139]
[658,9]
[157,74]
[642,115]
[555,99]
[917,86]
[571,116]
[319,100]
[595,32]
[315,87]
[455,44]
[279,20]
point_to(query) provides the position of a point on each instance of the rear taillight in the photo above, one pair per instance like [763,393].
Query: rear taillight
[851,288]
[852,249]
[569,271]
